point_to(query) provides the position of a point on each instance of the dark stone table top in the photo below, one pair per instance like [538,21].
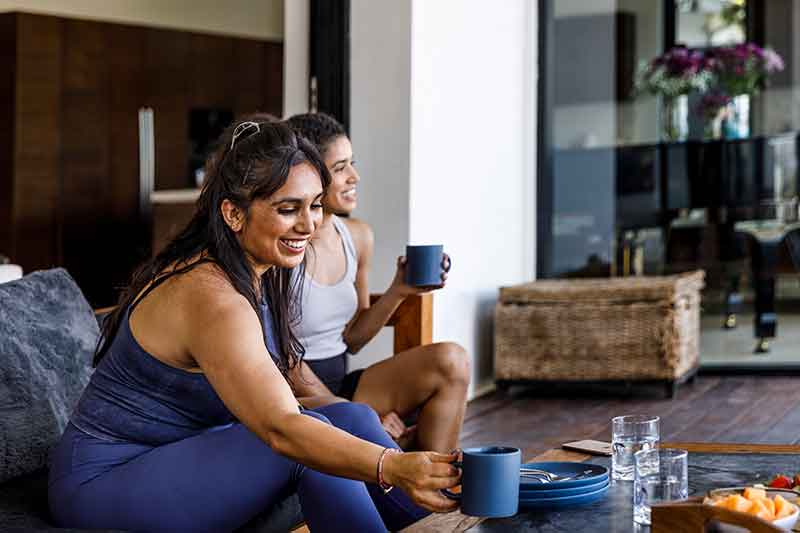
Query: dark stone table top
[615,513]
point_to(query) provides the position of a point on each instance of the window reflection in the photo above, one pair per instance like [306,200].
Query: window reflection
[617,198]
[704,23]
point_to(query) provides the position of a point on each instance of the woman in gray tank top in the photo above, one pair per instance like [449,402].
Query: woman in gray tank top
[337,318]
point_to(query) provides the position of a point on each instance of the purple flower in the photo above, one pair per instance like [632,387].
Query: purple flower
[729,70]
[711,103]
[772,60]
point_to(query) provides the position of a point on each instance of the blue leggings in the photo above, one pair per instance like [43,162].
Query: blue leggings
[216,481]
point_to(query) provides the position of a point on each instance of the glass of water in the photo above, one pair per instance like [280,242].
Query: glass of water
[661,476]
[630,434]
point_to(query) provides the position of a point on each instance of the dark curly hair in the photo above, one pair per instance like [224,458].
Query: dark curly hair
[319,128]
[252,166]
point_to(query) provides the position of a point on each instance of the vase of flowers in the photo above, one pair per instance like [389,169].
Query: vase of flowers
[672,76]
[726,76]
[714,108]
[739,72]
[742,68]
[674,117]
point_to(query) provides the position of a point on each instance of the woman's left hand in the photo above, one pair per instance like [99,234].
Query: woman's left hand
[401,288]
[403,435]
[393,425]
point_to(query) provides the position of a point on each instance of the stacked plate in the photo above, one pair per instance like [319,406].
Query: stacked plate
[583,483]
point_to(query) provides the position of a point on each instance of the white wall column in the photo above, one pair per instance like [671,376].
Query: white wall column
[443,118]
[380,129]
[470,155]
[295,56]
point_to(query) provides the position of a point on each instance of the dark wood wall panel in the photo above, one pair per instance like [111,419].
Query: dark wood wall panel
[247,67]
[273,82]
[212,81]
[85,159]
[70,93]
[8,67]
[168,91]
[37,142]
[127,94]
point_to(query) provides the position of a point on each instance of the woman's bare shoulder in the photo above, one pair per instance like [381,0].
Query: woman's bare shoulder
[206,290]
[363,237]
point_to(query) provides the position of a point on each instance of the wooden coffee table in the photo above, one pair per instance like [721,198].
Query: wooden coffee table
[710,466]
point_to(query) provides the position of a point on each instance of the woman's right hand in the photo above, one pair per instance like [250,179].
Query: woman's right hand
[401,288]
[422,475]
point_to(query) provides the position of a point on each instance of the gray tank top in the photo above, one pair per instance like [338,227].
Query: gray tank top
[328,308]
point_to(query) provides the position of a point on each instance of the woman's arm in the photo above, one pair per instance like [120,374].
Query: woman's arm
[306,383]
[309,390]
[369,320]
[224,336]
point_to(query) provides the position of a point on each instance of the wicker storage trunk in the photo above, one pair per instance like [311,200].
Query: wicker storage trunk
[617,329]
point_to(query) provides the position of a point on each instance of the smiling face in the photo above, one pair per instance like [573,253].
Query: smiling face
[341,196]
[277,229]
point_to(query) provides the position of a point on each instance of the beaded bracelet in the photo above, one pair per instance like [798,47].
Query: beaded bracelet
[382,482]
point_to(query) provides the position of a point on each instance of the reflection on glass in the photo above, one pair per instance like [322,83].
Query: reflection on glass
[621,198]
[704,23]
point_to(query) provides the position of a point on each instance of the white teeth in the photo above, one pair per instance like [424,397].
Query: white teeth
[350,193]
[297,245]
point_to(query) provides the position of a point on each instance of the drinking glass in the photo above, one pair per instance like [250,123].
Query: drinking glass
[660,476]
[630,434]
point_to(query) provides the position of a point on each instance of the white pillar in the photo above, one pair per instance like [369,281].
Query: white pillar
[443,127]
[295,56]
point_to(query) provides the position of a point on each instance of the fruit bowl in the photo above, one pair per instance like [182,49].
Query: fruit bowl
[785,523]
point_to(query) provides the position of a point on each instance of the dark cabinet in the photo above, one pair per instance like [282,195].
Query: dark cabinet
[70,91]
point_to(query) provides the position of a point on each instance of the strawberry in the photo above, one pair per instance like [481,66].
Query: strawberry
[782,482]
[796,481]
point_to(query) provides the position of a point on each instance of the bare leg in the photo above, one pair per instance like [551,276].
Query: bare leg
[433,378]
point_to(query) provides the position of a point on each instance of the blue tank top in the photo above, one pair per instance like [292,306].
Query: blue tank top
[134,397]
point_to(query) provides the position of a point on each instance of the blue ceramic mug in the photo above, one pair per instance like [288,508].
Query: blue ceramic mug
[489,481]
[425,264]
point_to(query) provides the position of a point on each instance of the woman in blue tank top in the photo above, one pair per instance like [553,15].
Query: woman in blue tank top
[189,422]
[338,319]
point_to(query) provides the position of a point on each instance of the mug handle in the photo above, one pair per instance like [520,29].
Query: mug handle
[446,257]
[447,492]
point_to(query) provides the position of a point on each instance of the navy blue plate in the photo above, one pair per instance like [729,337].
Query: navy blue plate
[597,473]
[564,501]
[557,493]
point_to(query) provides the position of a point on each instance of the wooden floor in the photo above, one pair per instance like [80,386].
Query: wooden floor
[757,409]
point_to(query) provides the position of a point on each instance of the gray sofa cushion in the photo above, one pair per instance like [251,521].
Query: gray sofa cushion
[48,334]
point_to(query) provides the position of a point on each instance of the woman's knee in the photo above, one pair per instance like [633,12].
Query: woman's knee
[351,413]
[356,418]
[452,363]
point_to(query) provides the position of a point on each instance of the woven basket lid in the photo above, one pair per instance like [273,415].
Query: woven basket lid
[638,288]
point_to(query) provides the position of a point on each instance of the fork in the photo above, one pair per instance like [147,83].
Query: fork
[549,476]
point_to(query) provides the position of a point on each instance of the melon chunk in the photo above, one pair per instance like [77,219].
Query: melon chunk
[760,510]
[770,505]
[735,502]
[783,508]
[752,493]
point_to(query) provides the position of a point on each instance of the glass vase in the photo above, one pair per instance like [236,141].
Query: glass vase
[713,126]
[731,121]
[737,121]
[674,118]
